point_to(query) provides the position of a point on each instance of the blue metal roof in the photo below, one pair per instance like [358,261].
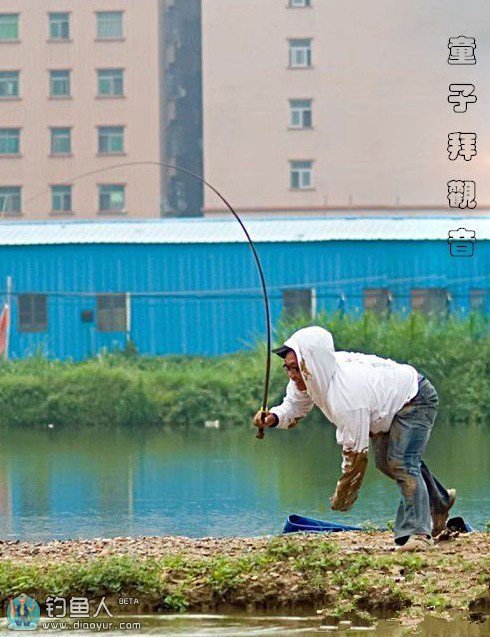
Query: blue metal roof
[262,230]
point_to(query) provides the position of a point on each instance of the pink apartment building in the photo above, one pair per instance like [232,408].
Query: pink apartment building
[308,105]
[80,94]
[315,105]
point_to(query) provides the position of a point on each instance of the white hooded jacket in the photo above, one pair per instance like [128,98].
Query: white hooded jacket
[358,393]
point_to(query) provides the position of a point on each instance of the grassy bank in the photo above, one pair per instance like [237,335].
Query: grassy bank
[356,575]
[131,391]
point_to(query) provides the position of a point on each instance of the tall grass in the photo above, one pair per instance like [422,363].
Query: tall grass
[134,391]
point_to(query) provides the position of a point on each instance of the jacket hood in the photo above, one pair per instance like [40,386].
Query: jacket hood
[315,352]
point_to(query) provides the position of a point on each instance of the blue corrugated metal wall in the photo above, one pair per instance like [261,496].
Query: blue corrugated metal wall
[200,324]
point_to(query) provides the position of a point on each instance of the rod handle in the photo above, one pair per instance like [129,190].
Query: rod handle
[260,432]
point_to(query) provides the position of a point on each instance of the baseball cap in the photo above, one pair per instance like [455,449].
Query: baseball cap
[282,351]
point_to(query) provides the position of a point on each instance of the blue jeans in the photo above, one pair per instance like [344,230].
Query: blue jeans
[398,454]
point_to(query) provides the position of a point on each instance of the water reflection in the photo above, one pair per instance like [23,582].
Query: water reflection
[268,626]
[198,482]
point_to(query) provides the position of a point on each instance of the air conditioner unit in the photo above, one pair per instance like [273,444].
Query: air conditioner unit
[171,111]
[170,54]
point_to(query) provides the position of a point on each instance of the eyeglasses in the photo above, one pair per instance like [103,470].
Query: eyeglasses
[290,368]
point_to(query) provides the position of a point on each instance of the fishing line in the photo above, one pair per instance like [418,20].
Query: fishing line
[260,432]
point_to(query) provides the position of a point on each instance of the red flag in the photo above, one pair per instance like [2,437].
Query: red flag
[4,325]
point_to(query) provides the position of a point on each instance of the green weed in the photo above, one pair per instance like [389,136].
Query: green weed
[130,390]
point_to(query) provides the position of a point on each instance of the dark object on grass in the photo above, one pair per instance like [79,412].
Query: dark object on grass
[458,524]
[454,528]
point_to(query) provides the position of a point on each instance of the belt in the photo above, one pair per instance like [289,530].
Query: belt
[420,380]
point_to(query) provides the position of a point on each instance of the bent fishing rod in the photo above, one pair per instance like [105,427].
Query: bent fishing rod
[260,432]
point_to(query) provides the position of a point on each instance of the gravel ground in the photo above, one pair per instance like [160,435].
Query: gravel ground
[468,546]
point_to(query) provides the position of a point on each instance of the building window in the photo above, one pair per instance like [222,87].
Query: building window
[299,54]
[59,83]
[111,82]
[61,141]
[9,84]
[300,3]
[430,300]
[300,113]
[111,312]
[9,26]
[59,26]
[301,174]
[10,200]
[109,25]
[33,313]
[9,141]
[299,302]
[112,198]
[61,198]
[477,299]
[111,140]
[377,300]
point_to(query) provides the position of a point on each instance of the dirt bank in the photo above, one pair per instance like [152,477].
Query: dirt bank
[347,574]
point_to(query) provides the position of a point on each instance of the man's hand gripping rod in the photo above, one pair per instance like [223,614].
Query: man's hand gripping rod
[260,431]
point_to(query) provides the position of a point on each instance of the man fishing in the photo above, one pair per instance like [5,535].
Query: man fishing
[368,398]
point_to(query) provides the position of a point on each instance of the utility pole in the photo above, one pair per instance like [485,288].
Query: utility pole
[9,317]
[128,317]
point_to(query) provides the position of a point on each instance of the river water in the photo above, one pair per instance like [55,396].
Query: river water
[63,483]
[261,626]
[69,483]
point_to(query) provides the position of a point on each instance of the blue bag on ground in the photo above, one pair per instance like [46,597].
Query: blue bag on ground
[295,523]
[298,523]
